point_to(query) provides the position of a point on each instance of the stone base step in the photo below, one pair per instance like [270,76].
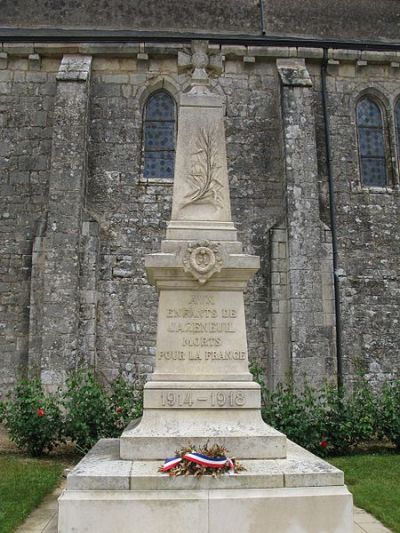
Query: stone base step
[160,432]
[299,494]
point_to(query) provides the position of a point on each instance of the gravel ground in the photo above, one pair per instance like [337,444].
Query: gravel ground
[63,452]
[5,444]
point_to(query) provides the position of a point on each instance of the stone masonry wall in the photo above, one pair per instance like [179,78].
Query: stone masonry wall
[125,216]
[368,222]
[26,113]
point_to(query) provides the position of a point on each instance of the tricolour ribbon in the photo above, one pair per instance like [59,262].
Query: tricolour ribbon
[200,459]
[170,463]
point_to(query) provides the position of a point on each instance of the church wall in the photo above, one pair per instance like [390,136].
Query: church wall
[26,106]
[343,19]
[351,20]
[131,212]
[237,16]
[368,223]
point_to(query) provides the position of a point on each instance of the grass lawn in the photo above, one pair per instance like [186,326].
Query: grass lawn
[374,480]
[23,484]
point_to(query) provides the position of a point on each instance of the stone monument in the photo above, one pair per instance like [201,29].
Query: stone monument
[201,389]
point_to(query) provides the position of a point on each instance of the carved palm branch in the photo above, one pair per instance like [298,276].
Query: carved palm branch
[206,187]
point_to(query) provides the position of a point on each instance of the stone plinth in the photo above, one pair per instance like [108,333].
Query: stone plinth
[301,493]
[162,431]
[201,389]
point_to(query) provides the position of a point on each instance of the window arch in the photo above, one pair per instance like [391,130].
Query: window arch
[371,143]
[159,135]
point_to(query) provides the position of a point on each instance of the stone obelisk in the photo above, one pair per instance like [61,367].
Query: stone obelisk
[201,389]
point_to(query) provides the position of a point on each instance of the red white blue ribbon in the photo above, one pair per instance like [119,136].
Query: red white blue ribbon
[200,459]
[170,463]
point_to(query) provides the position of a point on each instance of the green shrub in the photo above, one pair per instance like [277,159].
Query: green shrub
[126,404]
[298,416]
[33,418]
[92,412]
[85,412]
[326,422]
[348,419]
[87,408]
[389,413]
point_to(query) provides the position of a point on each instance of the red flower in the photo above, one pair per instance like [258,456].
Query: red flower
[323,443]
[118,410]
[40,412]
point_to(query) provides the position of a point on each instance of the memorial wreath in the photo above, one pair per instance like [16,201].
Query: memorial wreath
[206,460]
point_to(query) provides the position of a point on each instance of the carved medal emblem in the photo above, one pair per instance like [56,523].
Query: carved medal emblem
[202,260]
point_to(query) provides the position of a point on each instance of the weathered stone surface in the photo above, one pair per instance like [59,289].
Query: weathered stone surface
[130,212]
[58,349]
[228,15]
[310,351]
[26,119]
[312,509]
[359,19]
[161,431]
[270,495]
[102,469]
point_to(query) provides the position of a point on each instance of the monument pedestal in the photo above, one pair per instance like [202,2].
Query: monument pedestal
[299,494]
[160,432]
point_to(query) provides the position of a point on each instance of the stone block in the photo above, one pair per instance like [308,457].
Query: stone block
[293,72]
[34,61]
[74,68]
[310,53]
[101,469]
[151,440]
[3,60]
[284,510]
[135,511]
[18,48]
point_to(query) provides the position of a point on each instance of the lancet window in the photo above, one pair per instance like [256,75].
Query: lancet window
[371,143]
[159,136]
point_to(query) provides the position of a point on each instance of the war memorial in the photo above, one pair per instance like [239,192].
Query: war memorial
[201,391]
[187,187]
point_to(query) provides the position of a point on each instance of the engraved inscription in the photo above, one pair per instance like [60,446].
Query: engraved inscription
[216,355]
[208,342]
[192,313]
[172,355]
[203,399]
[201,329]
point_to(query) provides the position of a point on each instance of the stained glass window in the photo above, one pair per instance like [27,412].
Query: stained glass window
[371,142]
[159,136]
